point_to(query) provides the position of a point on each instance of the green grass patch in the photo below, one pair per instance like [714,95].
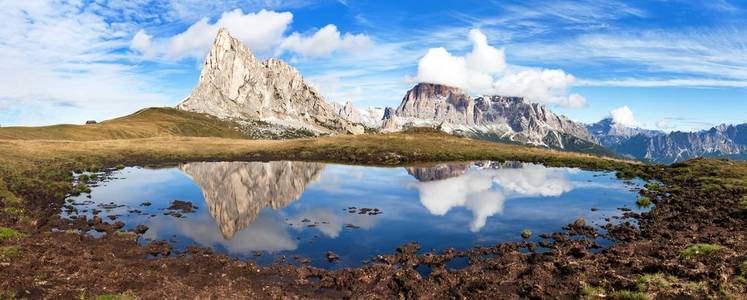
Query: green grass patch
[700,249]
[643,201]
[652,186]
[592,292]
[629,295]
[653,282]
[9,252]
[10,233]
[743,202]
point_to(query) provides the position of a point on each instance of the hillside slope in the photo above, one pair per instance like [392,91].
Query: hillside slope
[149,122]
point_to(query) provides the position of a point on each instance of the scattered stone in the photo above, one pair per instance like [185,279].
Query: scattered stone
[146,203]
[140,229]
[183,206]
[351,226]
[118,225]
[158,247]
[332,257]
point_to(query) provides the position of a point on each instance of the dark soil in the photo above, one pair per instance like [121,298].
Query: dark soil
[698,203]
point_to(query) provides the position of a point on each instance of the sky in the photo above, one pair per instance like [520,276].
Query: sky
[658,64]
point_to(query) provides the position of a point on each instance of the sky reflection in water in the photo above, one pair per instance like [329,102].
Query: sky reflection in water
[288,208]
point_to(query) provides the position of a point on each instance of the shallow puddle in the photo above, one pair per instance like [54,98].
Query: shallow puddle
[268,210]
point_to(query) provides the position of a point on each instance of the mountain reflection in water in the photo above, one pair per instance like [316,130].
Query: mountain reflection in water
[285,208]
[235,192]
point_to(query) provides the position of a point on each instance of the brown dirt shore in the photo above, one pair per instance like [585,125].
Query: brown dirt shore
[690,245]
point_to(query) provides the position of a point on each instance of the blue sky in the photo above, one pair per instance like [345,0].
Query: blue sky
[677,65]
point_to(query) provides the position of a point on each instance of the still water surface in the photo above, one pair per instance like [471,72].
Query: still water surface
[285,208]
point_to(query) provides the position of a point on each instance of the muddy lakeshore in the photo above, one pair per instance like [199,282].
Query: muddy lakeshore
[698,203]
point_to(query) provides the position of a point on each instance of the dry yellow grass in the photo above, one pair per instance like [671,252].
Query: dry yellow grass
[151,122]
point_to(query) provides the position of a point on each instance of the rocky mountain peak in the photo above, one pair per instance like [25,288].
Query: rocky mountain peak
[234,84]
[509,119]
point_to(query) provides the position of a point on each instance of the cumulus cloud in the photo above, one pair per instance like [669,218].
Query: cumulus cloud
[260,31]
[547,86]
[624,117]
[324,42]
[263,32]
[484,70]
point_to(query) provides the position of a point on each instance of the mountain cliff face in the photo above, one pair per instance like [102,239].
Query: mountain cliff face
[235,192]
[234,84]
[505,119]
[657,146]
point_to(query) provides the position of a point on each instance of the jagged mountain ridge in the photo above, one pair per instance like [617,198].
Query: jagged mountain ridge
[234,84]
[498,118]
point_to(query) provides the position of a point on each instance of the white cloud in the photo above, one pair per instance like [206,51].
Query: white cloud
[548,86]
[663,124]
[484,71]
[324,42]
[260,31]
[623,116]
[141,42]
[60,63]
[263,32]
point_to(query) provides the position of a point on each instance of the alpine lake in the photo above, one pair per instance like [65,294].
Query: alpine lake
[334,216]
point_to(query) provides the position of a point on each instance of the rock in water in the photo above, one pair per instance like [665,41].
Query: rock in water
[234,84]
[507,119]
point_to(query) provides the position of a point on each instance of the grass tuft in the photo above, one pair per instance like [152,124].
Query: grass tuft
[643,201]
[10,233]
[629,295]
[526,233]
[700,249]
[592,292]
[9,252]
[653,282]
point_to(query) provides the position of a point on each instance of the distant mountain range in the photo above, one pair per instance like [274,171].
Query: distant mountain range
[270,99]
[728,141]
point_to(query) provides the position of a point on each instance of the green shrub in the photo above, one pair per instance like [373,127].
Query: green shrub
[526,233]
[651,186]
[700,249]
